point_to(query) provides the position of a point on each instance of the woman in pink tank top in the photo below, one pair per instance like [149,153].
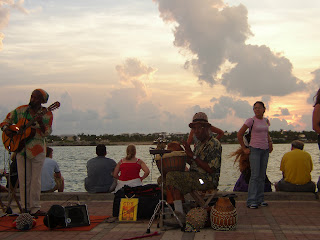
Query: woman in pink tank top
[129,170]
[259,148]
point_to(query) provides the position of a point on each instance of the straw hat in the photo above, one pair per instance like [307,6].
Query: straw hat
[200,117]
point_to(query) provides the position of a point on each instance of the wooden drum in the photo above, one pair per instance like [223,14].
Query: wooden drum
[223,215]
[174,161]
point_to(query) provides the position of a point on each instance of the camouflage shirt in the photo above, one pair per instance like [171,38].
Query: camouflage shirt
[209,152]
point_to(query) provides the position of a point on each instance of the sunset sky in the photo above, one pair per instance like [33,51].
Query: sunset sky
[147,66]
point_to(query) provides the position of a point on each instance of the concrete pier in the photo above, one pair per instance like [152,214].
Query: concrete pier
[288,216]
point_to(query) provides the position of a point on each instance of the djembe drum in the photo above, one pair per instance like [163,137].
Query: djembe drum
[196,219]
[223,215]
[174,161]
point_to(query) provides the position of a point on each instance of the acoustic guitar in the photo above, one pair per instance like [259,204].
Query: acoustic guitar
[23,131]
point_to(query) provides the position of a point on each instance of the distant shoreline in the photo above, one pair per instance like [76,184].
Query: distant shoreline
[85,143]
[68,144]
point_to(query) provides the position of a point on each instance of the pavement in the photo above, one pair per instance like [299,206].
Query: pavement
[288,216]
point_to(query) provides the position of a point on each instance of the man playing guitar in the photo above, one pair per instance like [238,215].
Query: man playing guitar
[34,149]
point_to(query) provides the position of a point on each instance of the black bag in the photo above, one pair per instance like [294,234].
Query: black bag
[247,136]
[55,217]
[149,196]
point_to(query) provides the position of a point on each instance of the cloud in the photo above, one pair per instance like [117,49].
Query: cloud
[5,6]
[314,85]
[4,15]
[19,6]
[68,120]
[3,112]
[285,112]
[213,34]
[134,69]
[276,124]
[1,38]
[130,107]
[226,105]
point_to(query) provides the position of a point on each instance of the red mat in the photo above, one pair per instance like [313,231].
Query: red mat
[6,224]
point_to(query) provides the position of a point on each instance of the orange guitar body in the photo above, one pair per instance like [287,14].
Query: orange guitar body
[16,143]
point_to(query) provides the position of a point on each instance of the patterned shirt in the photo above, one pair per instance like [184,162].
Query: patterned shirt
[209,152]
[35,145]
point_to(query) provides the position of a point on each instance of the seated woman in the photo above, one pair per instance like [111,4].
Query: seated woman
[129,169]
[244,167]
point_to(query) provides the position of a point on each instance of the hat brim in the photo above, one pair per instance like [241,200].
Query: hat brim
[191,125]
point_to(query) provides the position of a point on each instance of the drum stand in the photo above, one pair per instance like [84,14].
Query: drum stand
[160,206]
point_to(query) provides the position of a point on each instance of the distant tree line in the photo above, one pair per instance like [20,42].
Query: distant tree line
[92,139]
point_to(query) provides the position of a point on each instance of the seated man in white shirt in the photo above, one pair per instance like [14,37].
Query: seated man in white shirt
[51,179]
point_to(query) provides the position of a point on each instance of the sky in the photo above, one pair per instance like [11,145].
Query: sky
[147,66]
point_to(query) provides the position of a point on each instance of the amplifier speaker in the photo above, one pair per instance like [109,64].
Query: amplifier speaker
[77,216]
[70,216]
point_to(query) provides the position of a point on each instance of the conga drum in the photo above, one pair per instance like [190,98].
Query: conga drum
[174,161]
[223,215]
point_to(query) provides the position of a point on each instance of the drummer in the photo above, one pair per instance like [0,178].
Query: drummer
[204,161]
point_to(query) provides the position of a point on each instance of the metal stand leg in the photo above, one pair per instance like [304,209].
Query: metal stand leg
[161,203]
[159,208]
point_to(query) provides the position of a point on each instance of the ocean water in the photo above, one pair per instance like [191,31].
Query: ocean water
[72,162]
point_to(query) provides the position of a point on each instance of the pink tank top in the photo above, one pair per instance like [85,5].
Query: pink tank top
[129,171]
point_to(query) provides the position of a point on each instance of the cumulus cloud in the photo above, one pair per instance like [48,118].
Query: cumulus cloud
[314,85]
[277,123]
[3,112]
[68,120]
[284,112]
[226,105]
[134,69]
[5,6]
[214,33]
[4,15]
[1,38]
[130,108]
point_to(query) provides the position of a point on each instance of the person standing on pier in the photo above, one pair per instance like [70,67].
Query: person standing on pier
[259,148]
[34,150]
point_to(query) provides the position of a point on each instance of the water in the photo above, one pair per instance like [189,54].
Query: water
[72,162]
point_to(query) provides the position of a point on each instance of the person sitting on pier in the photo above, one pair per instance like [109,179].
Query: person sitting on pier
[204,161]
[242,183]
[129,169]
[100,170]
[51,178]
[296,167]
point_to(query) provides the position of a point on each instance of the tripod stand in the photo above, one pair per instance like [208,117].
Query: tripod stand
[160,206]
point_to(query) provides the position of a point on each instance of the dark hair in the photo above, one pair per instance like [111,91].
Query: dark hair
[297,144]
[101,150]
[259,102]
[49,151]
[317,97]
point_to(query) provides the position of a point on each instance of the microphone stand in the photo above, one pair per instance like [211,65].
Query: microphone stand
[161,201]
[25,166]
